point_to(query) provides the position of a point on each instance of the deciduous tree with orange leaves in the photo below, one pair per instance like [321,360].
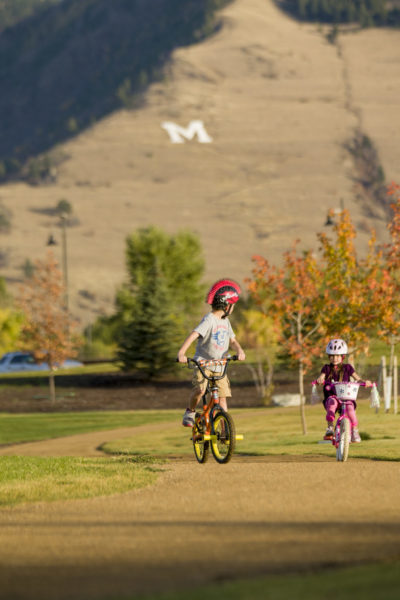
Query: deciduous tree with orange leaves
[292,296]
[389,292]
[353,306]
[48,330]
[338,295]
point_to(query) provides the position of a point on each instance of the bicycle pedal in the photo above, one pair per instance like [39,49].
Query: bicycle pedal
[239,436]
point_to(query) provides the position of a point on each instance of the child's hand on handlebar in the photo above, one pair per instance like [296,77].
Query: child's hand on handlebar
[368,383]
[181,358]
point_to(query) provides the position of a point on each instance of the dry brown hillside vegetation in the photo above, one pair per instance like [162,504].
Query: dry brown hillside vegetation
[296,124]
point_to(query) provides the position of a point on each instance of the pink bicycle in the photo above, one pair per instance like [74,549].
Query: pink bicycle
[346,393]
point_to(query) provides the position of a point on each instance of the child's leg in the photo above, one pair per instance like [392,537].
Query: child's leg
[331,405]
[223,404]
[195,398]
[351,411]
[224,391]
[199,387]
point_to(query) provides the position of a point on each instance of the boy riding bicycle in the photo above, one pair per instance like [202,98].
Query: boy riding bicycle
[214,335]
[338,370]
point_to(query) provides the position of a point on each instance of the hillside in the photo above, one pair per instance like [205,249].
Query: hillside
[73,62]
[281,104]
[17,10]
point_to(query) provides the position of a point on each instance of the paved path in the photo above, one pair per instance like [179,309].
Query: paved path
[252,516]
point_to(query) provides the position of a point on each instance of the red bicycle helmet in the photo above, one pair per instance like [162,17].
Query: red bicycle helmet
[223,293]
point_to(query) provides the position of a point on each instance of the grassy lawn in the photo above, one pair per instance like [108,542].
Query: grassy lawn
[132,461]
[84,370]
[33,479]
[276,431]
[367,582]
[15,428]
[26,479]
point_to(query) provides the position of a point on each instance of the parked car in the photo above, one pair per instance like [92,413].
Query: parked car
[13,362]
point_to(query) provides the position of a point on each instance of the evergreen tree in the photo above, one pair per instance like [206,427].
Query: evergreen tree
[366,12]
[180,260]
[149,340]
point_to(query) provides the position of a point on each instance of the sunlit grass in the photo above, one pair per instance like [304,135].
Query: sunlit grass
[30,427]
[110,367]
[275,431]
[33,479]
[367,582]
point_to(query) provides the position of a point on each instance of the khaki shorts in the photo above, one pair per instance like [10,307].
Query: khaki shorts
[223,385]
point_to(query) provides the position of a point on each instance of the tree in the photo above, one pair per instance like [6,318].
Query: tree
[47,330]
[292,295]
[180,262]
[258,332]
[63,208]
[10,321]
[149,339]
[389,291]
[352,305]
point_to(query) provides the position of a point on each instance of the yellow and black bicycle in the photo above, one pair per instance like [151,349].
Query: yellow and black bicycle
[213,426]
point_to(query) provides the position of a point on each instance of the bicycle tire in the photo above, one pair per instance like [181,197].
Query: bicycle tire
[342,451]
[223,437]
[201,448]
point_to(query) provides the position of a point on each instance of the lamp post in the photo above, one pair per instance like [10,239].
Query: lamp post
[52,242]
[332,213]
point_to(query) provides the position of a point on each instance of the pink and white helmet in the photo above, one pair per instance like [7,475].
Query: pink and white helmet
[337,347]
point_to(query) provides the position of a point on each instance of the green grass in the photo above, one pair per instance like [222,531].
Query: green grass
[366,582]
[15,428]
[109,367]
[267,431]
[276,431]
[26,479]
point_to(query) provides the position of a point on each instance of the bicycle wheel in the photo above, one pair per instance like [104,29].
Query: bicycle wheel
[201,448]
[223,437]
[342,451]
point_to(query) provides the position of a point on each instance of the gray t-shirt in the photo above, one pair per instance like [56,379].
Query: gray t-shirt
[215,335]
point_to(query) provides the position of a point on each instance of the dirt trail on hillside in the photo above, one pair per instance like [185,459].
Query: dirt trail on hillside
[252,516]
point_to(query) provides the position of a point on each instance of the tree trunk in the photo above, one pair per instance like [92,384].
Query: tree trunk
[52,387]
[392,347]
[302,398]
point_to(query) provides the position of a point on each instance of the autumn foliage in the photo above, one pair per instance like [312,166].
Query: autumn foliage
[48,330]
[335,294]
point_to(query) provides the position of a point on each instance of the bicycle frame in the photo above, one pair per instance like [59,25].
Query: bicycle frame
[210,407]
[213,426]
[343,427]
[342,445]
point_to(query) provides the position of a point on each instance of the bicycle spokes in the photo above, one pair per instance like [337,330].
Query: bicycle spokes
[342,450]
[223,437]
[201,446]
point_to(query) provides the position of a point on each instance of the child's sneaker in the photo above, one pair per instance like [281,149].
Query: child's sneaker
[355,436]
[188,418]
[329,433]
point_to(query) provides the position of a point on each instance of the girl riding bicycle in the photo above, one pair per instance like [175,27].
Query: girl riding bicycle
[214,335]
[338,370]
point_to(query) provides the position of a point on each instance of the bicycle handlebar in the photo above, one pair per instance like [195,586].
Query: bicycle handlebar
[362,383]
[203,364]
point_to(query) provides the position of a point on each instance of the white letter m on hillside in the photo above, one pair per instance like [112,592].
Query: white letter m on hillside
[178,133]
